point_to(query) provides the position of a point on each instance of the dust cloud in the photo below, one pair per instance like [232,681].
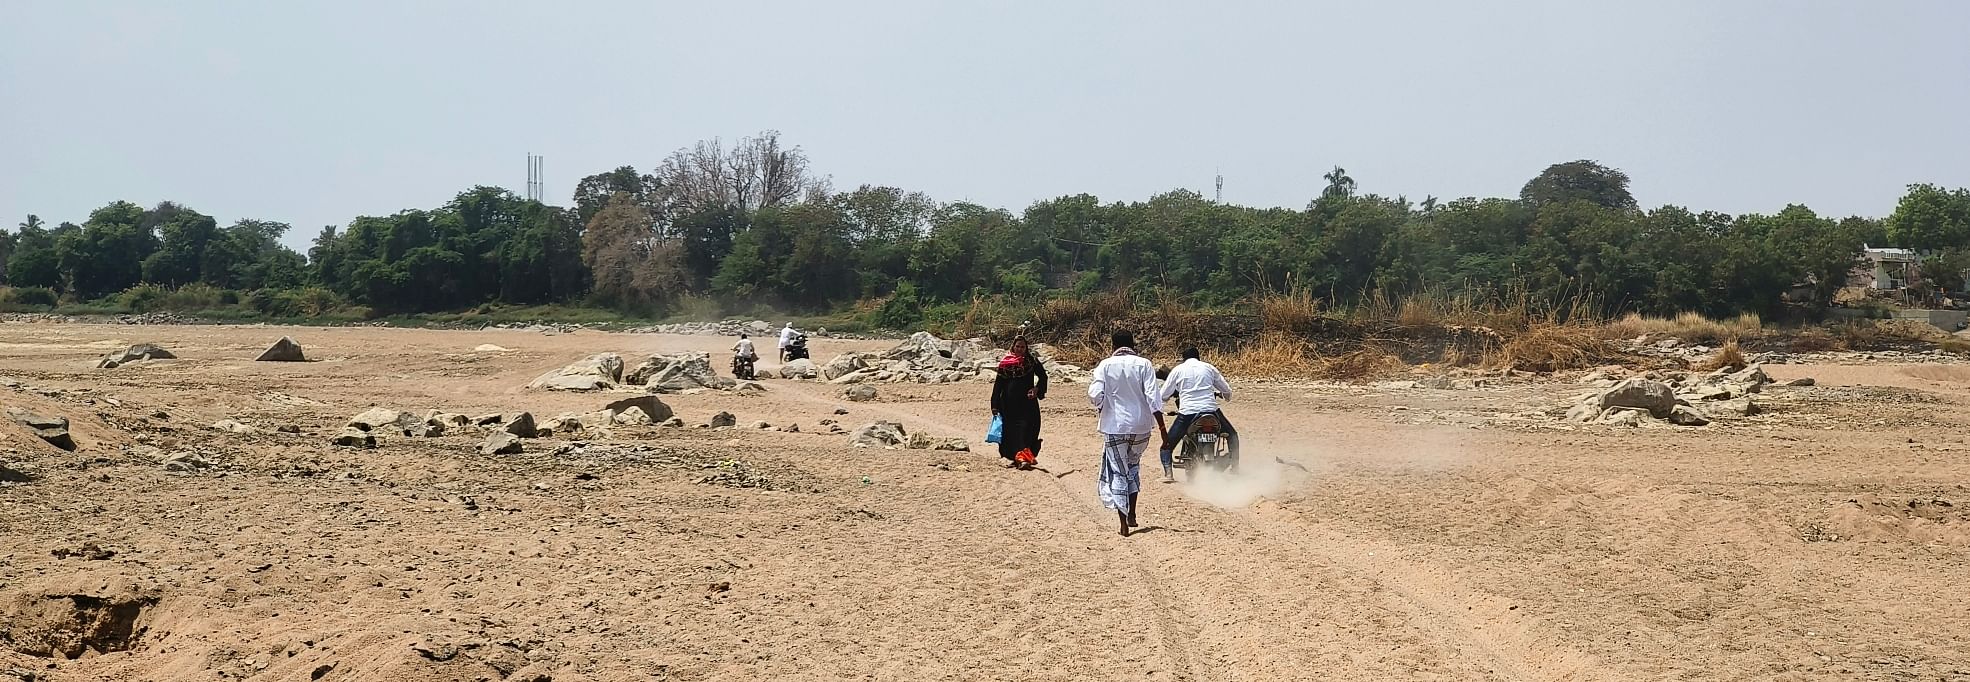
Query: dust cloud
[1273,467]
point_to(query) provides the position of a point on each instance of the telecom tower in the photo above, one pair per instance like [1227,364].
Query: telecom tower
[536,177]
[1220,198]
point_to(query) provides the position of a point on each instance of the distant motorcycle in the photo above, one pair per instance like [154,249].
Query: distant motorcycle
[797,348]
[743,368]
[1206,446]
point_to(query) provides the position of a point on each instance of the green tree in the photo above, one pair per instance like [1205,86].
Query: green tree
[1582,180]
[1930,218]
[106,255]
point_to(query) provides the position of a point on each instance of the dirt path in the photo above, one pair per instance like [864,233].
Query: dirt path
[1375,534]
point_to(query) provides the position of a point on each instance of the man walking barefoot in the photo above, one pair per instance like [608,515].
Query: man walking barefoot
[1124,393]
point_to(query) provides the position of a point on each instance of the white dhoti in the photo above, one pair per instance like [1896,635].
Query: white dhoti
[1121,470]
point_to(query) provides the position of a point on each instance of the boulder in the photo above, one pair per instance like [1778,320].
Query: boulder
[843,364]
[284,350]
[855,377]
[799,369]
[54,430]
[1624,416]
[633,416]
[1735,407]
[673,422]
[1584,412]
[649,405]
[723,419]
[377,418]
[1644,394]
[749,388]
[448,420]
[924,351]
[354,438]
[522,425]
[142,351]
[1684,415]
[488,420]
[677,372]
[598,372]
[879,434]
[230,426]
[501,443]
[952,445]
[860,393]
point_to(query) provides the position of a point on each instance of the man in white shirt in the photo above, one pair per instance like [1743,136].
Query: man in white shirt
[744,348]
[1123,391]
[786,339]
[1196,384]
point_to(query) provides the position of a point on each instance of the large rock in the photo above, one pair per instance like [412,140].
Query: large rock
[1685,415]
[379,418]
[724,419]
[522,425]
[649,404]
[1624,416]
[857,376]
[230,426]
[1644,394]
[860,393]
[142,351]
[924,351]
[879,434]
[284,350]
[1735,407]
[501,443]
[598,372]
[799,369]
[633,416]
[54,430]
[677,372]
[843,364]
[354,438]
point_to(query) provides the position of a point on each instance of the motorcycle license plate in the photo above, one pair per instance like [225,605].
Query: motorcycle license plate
[1207,438]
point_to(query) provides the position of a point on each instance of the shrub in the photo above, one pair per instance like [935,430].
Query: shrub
[142,298]
[903,310]
[33,296]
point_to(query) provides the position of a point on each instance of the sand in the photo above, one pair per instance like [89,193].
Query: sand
[1376,534]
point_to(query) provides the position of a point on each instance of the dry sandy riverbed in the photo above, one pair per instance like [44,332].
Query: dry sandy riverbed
[1378,534]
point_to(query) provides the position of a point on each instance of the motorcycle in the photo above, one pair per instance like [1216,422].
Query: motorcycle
[1206,446]
[797,348]
[742,368]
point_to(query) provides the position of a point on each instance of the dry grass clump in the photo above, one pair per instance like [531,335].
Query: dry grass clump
[1287,312]
[1551,348]
[1688,327]
[1274,354]
[1813,342]
[1729,357]
[1359,365]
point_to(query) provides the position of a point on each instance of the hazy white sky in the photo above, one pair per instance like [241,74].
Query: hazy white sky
[313,113]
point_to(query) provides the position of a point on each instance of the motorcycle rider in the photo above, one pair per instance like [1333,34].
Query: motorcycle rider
[1197,385]
[743,350]
[786,339]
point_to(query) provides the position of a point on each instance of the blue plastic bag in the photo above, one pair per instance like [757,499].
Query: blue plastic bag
[998,430]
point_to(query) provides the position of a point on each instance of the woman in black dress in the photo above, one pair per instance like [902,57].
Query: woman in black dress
[1016,397]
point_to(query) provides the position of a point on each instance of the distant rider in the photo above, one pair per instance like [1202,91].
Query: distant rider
[744,349]
[1196,384]
[786,339]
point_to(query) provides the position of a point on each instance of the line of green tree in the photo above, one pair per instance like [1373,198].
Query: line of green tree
[748,226]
